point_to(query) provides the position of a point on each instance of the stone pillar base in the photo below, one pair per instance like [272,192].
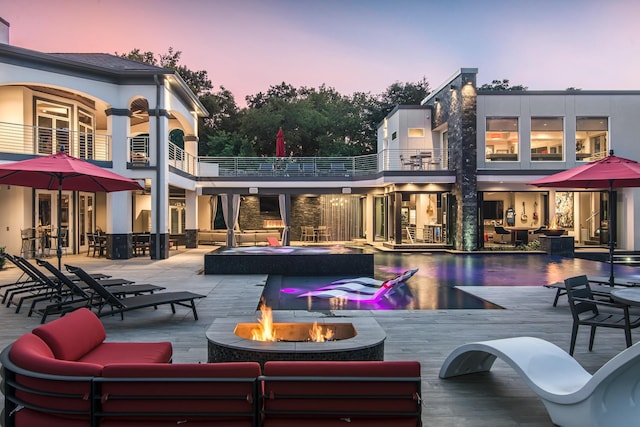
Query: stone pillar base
[119,246]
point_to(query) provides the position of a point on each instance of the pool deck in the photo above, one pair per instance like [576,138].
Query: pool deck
[499,398]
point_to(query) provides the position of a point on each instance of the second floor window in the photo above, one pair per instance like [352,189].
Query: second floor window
[547,139]
[592,138]
[501,139]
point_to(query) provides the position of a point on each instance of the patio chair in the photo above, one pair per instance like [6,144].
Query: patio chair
[501,231]
[265,169]
[121,305]
[292,169]
[308,234]
[308,169]
[338,169]
[322,232]
[572,396]
[585,311]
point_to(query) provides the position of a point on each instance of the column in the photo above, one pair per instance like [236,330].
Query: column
[191,223]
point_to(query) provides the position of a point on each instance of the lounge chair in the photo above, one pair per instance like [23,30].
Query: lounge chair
[572,396]
[83,295]
[368,285]
[364,294]
[121,305]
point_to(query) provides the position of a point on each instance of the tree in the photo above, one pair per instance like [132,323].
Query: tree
[501,85]
[198,81]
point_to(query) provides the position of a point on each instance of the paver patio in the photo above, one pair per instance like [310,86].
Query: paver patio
[498,398]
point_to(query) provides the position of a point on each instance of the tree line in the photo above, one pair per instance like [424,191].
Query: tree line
[318,122]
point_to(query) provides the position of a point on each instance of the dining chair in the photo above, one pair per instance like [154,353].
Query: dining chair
[500,230]
[323,232]
[585,310]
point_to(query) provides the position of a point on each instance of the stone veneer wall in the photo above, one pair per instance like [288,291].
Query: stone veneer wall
[457,108]
[305,211]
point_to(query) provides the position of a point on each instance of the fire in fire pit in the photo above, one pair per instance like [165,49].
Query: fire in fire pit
[265,330]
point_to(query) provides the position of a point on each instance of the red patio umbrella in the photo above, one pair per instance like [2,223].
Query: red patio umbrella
[62,172]
[608,173]
[280,150]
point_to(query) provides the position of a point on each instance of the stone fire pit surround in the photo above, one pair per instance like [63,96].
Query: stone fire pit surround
[225,346]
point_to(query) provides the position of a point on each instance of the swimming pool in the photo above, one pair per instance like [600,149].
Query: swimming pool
[433,286]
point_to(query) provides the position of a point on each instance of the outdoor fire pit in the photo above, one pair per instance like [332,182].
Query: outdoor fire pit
[553,231]
[230,339]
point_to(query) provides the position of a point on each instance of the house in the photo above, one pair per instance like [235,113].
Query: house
[444,174]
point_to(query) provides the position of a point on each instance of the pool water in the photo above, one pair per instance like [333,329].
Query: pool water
[433,286]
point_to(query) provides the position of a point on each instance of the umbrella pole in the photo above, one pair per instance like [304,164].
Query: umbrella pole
[59,245]
[611,240]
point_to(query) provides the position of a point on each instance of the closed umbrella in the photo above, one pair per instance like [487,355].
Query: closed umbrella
[608,173]
[280,148]
[62,172]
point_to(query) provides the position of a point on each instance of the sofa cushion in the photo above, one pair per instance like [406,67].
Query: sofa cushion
[60,394]
[185,399]
[72,336]
[129,352]
[341,396]
[33,354]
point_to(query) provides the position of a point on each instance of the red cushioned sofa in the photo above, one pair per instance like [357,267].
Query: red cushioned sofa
[64,374]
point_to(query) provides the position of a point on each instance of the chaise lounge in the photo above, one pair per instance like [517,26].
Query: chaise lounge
[572,396]
[122,305]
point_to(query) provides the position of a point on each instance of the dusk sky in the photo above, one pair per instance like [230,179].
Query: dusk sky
[352,45]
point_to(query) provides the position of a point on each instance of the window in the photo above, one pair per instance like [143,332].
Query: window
[501,139]
[592,135]
[394,135]
[85,135]
[416,132]
[52,129]
[547,139]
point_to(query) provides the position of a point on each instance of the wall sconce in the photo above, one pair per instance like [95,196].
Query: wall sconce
[452,87]
[253,190]
[437,99]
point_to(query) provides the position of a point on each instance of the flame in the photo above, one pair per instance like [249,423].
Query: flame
[316,333]
[554,223]
[265,330]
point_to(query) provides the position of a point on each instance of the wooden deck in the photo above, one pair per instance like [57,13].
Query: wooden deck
[496,399]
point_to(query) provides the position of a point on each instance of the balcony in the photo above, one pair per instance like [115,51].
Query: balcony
[417,161]
[35,140]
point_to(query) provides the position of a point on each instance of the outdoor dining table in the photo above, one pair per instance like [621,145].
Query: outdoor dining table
[629,296]
[520,234]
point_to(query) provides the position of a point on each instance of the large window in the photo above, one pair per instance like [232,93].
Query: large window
[592,136]
[547,139]
[52,129]
[501,139]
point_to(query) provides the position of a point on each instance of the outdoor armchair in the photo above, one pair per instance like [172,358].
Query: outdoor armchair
[586,311]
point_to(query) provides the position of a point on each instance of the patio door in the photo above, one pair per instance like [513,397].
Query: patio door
[47,221]
[379,218]
[86,219]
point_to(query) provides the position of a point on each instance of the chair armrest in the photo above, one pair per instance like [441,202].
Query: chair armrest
[603,303]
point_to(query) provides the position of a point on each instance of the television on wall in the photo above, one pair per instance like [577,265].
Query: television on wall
[269,204]
[492,209]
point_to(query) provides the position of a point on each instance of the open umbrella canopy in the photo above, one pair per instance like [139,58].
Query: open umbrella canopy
[608,173]
[280,149]
[612,171]
[62,172]
[60,169]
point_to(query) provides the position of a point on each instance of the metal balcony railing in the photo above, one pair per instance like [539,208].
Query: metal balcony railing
[23,139]
[388,160]
[180,159]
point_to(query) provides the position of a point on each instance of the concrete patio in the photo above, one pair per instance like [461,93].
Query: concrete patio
[496,399]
